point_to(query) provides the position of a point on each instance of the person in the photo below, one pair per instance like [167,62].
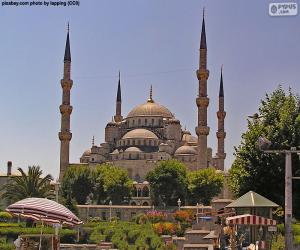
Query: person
[18,243]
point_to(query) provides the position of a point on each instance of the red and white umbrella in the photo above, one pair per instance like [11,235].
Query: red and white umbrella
[44,210]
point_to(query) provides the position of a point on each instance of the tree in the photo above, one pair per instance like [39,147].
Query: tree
[111,183]
[99,184]
[261,172]
[168,182]
[78,183]
[28,185]
[204,184]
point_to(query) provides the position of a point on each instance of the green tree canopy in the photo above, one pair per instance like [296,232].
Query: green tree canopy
[99,184]
[28,185]
[168,182]
[261,172]
[111,183]
[78,183]
[203,185]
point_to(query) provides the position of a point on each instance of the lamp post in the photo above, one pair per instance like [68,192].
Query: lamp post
[264,145]
[110,204]
[56,186]
[197,213]
[179,203]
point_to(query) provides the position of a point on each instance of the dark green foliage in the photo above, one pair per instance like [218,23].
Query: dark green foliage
[101,184]
[12,230]
[111,183]
[127,235]
[203,185]
[261,172]
[28,185]
[78,183]
[168,182]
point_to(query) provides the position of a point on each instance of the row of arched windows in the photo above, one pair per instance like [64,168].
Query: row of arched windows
[144,122]
[138,142]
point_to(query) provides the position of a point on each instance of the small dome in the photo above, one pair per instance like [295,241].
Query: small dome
[187,137]
[185,150]
[133,149]
[140,133]
[150,108]
[145,182]
[87,152]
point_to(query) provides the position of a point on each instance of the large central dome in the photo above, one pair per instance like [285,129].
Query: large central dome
[150,108]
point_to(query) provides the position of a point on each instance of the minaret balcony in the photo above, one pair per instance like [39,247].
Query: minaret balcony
[66,84]
[202,74]
[221,114]
[202,130]
[202,101]
[221,155]
[221,134]
[65,136]
[65,109]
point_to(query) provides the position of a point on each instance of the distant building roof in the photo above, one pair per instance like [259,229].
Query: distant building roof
[252,199]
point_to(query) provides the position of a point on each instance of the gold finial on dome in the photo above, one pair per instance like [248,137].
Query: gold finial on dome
[150,97]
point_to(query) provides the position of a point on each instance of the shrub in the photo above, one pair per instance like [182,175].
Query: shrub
[156,216]
[165,228]
[184,216]
[5,216]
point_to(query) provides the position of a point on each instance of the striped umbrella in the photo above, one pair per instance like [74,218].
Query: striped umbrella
[44,210]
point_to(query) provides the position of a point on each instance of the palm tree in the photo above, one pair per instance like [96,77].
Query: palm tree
[30,185]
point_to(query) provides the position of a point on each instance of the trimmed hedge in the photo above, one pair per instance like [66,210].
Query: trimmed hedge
[12,230]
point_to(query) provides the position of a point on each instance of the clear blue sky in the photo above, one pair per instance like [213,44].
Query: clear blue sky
[152,42]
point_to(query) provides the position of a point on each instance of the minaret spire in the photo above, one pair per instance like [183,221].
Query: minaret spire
[221,134]
[67,57]
[202,101]
[65,134]
[203,34]
[118,117]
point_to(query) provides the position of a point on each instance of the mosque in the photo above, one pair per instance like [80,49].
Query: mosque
[150,132]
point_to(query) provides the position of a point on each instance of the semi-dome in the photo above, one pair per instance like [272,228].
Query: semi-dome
[150,108]
[187,137]
[185,150]
[133,149]
[140,133]
[87,152]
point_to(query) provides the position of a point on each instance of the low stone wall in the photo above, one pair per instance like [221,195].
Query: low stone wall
[124,212]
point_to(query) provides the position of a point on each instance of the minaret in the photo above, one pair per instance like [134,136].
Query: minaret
[65,135]
[202,101]
[118,117]
[221,134]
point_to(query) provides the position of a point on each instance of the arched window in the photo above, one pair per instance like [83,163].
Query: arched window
[152,121]
[146,121]
[139,121]
[133,203]
[145,203]
[139,192]
[145,191]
